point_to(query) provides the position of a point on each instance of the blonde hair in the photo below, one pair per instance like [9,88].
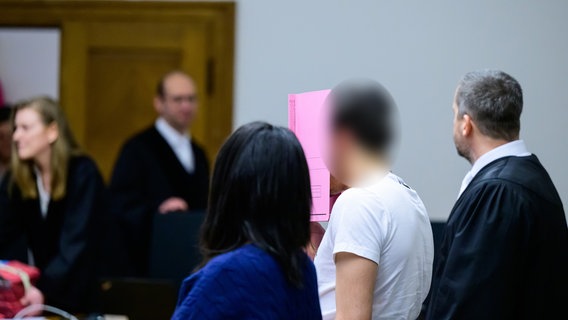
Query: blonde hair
[62,150]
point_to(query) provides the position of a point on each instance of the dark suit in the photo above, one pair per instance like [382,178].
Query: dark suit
[504,254]
[146,174]
[65,244]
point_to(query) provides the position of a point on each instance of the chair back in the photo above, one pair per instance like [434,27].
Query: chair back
[174,250]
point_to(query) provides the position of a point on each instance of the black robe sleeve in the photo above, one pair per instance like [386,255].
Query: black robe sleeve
[12,231]
[202,172]
[68,278]
[130,205]
[483,243]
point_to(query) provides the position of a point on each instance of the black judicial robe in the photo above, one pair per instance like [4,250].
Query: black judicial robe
[147,173]
[505,250]
[65,245]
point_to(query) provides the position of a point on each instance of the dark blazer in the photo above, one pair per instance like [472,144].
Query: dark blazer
[65,245]
[504,254]
[147,173]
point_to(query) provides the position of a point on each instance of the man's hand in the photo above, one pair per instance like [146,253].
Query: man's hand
[32,296]
[173,204]
[355,285]
[316,235]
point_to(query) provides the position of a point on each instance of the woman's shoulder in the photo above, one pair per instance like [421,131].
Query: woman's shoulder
[248,259]
[231,286]
[248,265]
[245,267]
[83,169]
[83,164]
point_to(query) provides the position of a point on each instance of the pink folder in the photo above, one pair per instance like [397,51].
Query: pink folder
[307,119]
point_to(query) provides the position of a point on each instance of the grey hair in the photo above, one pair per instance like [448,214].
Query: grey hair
[494,101]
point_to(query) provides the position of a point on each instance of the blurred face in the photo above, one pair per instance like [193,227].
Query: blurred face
[460,140]
[335,186]
[32,138]
[339,148]
[178,106]
[5,142]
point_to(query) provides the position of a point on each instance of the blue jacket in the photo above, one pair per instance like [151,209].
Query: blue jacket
[247,283]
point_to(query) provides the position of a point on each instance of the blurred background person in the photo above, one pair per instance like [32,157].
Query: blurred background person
[52,194]
[256,227]
[5,140]
[161,169]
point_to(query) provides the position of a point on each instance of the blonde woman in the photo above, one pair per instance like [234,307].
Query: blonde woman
[52,195]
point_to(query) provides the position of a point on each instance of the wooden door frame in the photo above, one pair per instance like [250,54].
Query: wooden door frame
[55,13]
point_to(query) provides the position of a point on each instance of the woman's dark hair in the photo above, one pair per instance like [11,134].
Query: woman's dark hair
[260,194]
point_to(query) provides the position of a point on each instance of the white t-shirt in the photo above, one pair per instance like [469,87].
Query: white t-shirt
[386,222]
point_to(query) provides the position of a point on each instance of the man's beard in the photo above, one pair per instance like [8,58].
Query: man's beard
[463,150]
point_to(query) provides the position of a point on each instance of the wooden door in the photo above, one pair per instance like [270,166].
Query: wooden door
[121,62]
[114,52]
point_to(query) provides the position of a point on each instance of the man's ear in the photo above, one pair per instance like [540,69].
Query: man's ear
[158,105]
[467,126]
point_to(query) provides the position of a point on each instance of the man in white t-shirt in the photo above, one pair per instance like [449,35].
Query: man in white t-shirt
[375,259]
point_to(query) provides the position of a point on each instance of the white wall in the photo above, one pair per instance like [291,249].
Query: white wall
[29,62]
[418,49]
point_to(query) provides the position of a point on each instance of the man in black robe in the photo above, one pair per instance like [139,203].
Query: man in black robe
[505,250]
[159,170]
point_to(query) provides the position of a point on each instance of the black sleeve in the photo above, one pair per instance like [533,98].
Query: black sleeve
[68,277]
[477,272]
[131,206]
[12,231]
[204,178]
[128,196]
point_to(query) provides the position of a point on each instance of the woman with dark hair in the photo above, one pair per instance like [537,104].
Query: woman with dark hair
[257,225]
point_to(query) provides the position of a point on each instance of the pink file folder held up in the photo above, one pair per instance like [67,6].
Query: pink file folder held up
[307,119]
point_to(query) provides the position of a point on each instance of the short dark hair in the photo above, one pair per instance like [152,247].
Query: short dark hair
[5,113]
[260,193]
[366,109]
[494,100]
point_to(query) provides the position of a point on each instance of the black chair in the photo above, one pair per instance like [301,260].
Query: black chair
[174,253]
[136,298]
[174,250]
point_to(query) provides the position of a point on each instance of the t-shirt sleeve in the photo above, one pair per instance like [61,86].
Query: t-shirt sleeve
[360,223]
